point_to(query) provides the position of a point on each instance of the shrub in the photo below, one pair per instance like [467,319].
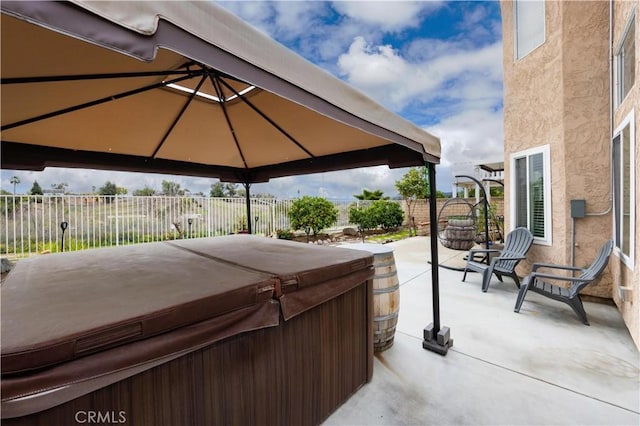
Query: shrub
[387,214]
[314,213]
[382,213]
[284,234]
[363,218]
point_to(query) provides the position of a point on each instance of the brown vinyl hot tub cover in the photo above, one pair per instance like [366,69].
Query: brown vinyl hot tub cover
[299,270]
[61,306]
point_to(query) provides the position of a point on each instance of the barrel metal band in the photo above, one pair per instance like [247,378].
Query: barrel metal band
[386,289]
[386,317]
[387,275]
[386,263]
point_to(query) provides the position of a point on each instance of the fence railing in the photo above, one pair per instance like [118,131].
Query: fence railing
[35,224]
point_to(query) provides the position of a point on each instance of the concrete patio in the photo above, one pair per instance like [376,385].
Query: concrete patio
[541,366]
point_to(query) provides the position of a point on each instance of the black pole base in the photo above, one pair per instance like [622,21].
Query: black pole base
[439,342]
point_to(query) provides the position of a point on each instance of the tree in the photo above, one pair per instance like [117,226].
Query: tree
[144,192]
[121,191]
[15,180]
[387,214]
[384,213]
[7,204]
[262,195]
[231,189]
[171,188]
[60,186]
[497,191]
[371,195]
[413,186]
[217,190]
[312,214]
[363,218]
[110,189]
[35,189]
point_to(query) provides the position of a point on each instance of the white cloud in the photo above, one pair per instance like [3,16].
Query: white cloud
[295,19]
[472,135]
[259,14]
[369,66]
[389,16]
[451,71]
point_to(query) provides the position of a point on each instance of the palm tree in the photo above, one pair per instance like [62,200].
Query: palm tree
[15,180]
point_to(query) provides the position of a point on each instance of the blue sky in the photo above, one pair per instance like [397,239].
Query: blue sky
[438,64]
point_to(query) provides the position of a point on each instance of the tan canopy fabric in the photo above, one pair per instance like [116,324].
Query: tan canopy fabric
[181,88]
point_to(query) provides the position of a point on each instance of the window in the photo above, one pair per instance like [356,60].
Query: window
[626,62]
[531,192]
[529,26]
[623,147]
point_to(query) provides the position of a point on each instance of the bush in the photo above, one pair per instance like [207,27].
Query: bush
[315,213]
[284,234]
[385,214]
[363,218]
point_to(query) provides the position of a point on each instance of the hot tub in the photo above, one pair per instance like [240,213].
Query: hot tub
[228,330]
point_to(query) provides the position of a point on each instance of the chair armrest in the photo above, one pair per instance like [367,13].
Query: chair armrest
[473,251]
[537,266]
[559,277]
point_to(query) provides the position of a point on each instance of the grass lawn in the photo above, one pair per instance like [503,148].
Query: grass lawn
[388,237]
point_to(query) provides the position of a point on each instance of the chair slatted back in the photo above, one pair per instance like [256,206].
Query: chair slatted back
[517,243]
[596,268]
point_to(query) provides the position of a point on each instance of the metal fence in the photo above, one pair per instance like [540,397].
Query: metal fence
[35,224]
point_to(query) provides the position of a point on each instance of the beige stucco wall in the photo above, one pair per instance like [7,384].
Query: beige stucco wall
[559,95]
[623,275]
[585,39]
[533,112]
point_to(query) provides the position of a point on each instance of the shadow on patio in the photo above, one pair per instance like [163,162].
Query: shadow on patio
[541,366]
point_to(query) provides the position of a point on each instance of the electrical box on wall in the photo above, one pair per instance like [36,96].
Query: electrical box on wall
[578,208]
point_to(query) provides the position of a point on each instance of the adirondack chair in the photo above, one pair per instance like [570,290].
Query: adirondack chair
[516,246]
[571,295]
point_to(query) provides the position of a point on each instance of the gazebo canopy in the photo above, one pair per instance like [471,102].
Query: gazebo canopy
[181,88]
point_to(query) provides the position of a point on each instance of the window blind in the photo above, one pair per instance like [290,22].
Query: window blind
[536,195]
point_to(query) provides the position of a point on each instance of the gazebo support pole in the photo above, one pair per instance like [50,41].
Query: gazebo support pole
[436,339]
[247,197]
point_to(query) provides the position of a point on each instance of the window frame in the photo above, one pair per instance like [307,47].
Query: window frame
[627,259]
[618,69]
[545,150]
[515,30]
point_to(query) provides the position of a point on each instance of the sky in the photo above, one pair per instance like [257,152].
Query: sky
[437,64]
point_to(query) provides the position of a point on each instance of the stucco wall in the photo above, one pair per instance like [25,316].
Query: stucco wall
[533,111]
[585,39]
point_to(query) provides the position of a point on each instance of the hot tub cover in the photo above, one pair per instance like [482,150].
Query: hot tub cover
[61,306]
[307,275]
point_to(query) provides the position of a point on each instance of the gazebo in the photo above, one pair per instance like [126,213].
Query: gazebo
[188,89]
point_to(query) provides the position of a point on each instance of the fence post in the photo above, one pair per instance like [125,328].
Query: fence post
[117,220]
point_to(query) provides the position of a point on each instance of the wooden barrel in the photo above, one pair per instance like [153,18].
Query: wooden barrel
[386,295]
